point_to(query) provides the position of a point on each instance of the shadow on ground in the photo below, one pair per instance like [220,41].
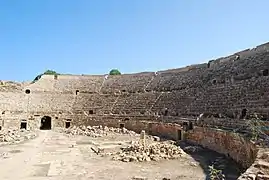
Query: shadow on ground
[206,157]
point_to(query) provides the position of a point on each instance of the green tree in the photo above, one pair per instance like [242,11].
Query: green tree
[50,72]
[114,72]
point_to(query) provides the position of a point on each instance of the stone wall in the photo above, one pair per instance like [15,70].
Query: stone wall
[225,88]
[228,90]
[260,168]
[230,144]
[172,131]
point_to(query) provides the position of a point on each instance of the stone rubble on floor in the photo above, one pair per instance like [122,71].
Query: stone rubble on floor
[15,135]
[96,131]
[151,152]
[137,151]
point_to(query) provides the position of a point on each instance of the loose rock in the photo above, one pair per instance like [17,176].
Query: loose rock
[14,135]
[96,131]
[152,152]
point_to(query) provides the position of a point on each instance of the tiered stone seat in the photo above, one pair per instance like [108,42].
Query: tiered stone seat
[224,86]
[90,83]
[49,102]
[107,101]
[12,101]
[9,86]
[44,84]
[176,103]
[127,83]
[137,103]
[93,103]
[66,83]
[169,81]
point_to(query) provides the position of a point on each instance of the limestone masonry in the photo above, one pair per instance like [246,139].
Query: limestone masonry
[179,104]
[230,89]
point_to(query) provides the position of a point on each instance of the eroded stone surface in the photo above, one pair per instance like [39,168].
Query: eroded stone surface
[260,168]
[15,135]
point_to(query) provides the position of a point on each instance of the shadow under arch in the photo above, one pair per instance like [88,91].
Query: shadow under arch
[45,123]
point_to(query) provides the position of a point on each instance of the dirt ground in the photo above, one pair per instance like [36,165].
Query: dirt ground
[58,156]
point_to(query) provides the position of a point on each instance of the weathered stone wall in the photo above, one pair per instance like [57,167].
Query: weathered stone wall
[224,88]
[230,144]
[229,89]
[260,168]
[166,130]
[12,101]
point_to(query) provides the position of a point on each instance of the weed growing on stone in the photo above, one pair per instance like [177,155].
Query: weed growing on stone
[215,174]
[256,127]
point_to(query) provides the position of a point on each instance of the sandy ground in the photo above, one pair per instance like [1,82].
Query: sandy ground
[51,156]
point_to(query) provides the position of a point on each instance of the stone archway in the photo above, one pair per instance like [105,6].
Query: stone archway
[45,123]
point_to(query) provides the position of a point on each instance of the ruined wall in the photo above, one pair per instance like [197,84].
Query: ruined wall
[259,169]
[223,87]
[14,118]
[230,144]
[135,123]
[229,88]
[12,101]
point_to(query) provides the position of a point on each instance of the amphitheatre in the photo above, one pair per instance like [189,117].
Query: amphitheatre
[170,124]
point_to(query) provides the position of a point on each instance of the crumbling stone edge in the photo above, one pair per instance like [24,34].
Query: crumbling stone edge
[254,158]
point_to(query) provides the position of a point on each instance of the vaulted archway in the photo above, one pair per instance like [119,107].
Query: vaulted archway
[45,123]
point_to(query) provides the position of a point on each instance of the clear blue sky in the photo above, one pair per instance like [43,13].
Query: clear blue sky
[94,36]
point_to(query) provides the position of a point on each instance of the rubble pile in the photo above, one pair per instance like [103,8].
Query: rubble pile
[97,131]
[15,135]
[152,152]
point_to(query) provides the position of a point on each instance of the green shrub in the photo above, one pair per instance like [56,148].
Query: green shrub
[114,72]
[215,174]
[50,72]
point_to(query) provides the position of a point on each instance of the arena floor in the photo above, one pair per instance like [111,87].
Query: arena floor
[58,156]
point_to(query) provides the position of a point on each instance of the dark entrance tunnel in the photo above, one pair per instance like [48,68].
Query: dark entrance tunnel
[45,123]
[23,125]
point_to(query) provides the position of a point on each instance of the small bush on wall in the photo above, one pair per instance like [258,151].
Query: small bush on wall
[114,72]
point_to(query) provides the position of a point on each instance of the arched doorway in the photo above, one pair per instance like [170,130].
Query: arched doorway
[45,123]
